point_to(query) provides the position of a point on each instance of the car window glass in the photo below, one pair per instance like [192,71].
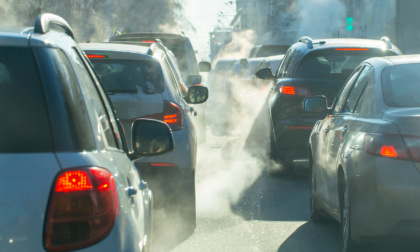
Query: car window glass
[25,123]
[97,112]
[401,85]
[357,89]
[282,68]
[342,97]
[78,119]
[173,83]
[129,76]
[360,101]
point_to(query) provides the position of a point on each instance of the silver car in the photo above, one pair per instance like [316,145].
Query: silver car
[365,154]
[67,182]
[143,83]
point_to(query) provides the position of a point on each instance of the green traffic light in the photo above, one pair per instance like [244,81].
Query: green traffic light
[349,27]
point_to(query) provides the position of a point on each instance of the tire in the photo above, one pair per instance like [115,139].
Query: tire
[348,244]
[315,213]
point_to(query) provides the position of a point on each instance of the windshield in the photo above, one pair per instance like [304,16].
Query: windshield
[401,85]
[129,76]
[334,64]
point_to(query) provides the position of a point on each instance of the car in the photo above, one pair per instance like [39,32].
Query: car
[272,62]
[68,181]
[183,50]
[310,67]
[364,155]
[142,83]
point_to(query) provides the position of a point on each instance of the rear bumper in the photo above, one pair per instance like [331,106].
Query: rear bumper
[385,198]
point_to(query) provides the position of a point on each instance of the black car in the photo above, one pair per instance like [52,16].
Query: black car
[310,68]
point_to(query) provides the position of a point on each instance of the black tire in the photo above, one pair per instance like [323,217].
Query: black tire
[348,244]
[315,213]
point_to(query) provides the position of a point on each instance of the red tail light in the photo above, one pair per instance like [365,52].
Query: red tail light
[351,49]
[298,91]
[95,56]
[163,164]
[172,115]
[386,145]
[82,209]
[148,41]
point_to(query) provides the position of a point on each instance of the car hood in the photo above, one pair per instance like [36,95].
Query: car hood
[25,185]
[407,119]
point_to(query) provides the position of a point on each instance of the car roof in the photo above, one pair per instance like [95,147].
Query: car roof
[155,35]
[404,59]
[116,47]
[342,42]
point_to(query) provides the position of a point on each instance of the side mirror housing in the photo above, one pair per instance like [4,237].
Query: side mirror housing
[315,104]
[197,94]
[204,66]
[194,79]
[265,74]
[151,137]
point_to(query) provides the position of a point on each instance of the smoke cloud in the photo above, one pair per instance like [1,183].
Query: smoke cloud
[97,20]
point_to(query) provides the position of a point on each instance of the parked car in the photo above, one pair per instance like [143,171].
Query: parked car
[364,156]
[67,182]
[181,46]
[311,67]
[267,50]
[142,83]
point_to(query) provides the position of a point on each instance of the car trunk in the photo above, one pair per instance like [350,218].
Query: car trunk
[25,185]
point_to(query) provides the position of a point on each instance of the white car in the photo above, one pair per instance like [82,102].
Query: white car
[67,182]
[142,83]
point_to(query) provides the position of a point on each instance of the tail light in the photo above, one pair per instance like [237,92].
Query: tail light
[172,115]
[298,91]
[393,146]
[82,210]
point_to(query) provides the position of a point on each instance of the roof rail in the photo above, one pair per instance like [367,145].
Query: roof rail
[308,41]
[45,20]
[387,42]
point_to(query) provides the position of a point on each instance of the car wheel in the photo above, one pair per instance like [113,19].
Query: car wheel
[348,244]
[315,213]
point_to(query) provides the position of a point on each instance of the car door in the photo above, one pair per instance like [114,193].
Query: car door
[110,154]
[322,156]
[342,121]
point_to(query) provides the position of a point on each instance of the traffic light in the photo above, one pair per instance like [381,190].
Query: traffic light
[349,24]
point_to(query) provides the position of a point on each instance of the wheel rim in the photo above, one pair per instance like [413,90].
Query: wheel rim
[346,217]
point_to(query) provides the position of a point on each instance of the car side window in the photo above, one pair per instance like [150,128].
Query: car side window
[96,110]
[174,86]
[342,97]
[357,90]
[284,65]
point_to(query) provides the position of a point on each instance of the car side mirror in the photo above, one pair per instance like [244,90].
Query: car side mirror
[151,137]
[315,104]
[204,66]
[197,94]
[265,74]
[194,79]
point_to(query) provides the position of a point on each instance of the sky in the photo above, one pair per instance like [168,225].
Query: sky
[203,14]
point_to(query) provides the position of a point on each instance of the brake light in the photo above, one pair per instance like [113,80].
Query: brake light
[148,41]
[301,127]
[386,145]
[82,209]
[94,56]
[172,115]
[351,49]
[298,91]
[163,164]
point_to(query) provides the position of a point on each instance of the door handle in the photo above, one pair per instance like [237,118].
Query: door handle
[327,129]
[131,191]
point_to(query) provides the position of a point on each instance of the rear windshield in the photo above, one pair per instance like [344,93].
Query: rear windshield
[130,76]
[266,51]
[401,85]
[335,64]
[24,125]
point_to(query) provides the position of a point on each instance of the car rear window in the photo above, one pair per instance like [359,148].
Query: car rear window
[335,64]
[130,76]
[25,125]
[401,85]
